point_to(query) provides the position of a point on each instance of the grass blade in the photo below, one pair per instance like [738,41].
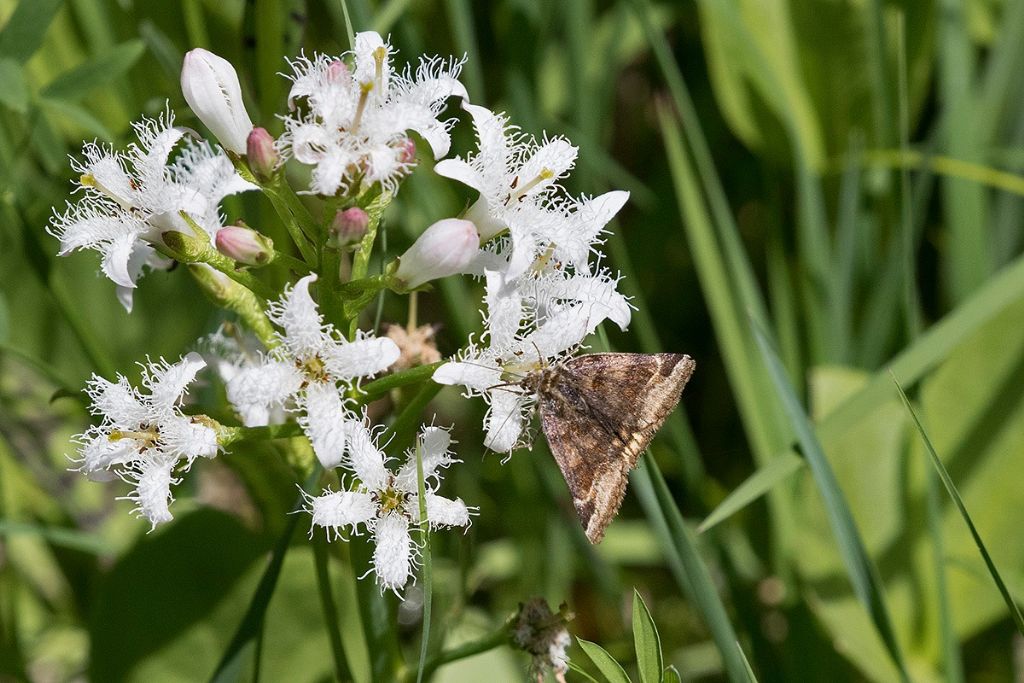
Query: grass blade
[23,33]
[750,670]
[330,610]
[947,481]
[756,485]
[650,485]
[95,72]
[862,573]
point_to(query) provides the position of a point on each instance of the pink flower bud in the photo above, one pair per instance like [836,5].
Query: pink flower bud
[350,225]
[245,245]
[261,153]
[211,88]
[408,153]
[445,248]
[337,70]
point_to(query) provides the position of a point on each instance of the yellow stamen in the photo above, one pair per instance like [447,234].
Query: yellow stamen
[364,94]
[545,174]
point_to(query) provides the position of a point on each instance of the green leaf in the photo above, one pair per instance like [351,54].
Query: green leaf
[77,115]
[862,573]
[58,536]
[947,481]
[24,31]
[245,640]
[646,641]
[605,663]
[95,72]
[756,485]
[180,591]
[13,88]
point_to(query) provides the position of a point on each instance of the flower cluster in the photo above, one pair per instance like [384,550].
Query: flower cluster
[144,437]
[301,360]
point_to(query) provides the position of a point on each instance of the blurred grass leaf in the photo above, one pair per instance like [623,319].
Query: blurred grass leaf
[13,88]
[23,33]
[646,642]
[756,485]
[860,569]
[95,72]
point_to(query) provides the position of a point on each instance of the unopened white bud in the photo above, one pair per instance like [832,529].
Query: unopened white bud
[445,248]
[211,88]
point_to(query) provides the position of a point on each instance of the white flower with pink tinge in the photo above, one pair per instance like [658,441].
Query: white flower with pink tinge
[308,371]
[386,503]
[143,437]
[353,123]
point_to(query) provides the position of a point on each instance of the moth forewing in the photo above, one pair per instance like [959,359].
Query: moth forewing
[599,412]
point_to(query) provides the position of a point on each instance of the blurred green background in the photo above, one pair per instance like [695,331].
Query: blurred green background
[845,176]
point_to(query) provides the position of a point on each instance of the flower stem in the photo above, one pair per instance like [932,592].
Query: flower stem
[377,388]
[428,572]
[233,435]
[475,647]
[327,604]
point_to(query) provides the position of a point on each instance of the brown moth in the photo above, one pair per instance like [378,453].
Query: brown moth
[599,412]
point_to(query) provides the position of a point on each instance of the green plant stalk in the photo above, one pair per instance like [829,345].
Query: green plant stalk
[249,631]
[953,665]
[650,483]
[488,642]
[380,387]
[293,213]
[947,481]
[327,605]
[428,572]
[233,435]
[404,426]
[240,300]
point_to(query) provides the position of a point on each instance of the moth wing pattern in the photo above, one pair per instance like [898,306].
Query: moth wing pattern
[600,415]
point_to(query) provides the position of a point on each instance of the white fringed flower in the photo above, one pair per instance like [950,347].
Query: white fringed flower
[309,369]
[143,437]
[531,322]
[354,122]
[386,503]
[129,198]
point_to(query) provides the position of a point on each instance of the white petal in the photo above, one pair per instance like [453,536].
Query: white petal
[554,158]
[504,309]
[504,422]
[433,443]
[99,453]
[393,556]
[480,375]
[446,512]
[492,140]
[360,358]
[211,88]
[297,313]
[254,391]
[116,255]
[152,494]
[167,383]
[364,458]
[119,403]
[339,509]
[182,437]
[459,170]
[324,422]
[367,43]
